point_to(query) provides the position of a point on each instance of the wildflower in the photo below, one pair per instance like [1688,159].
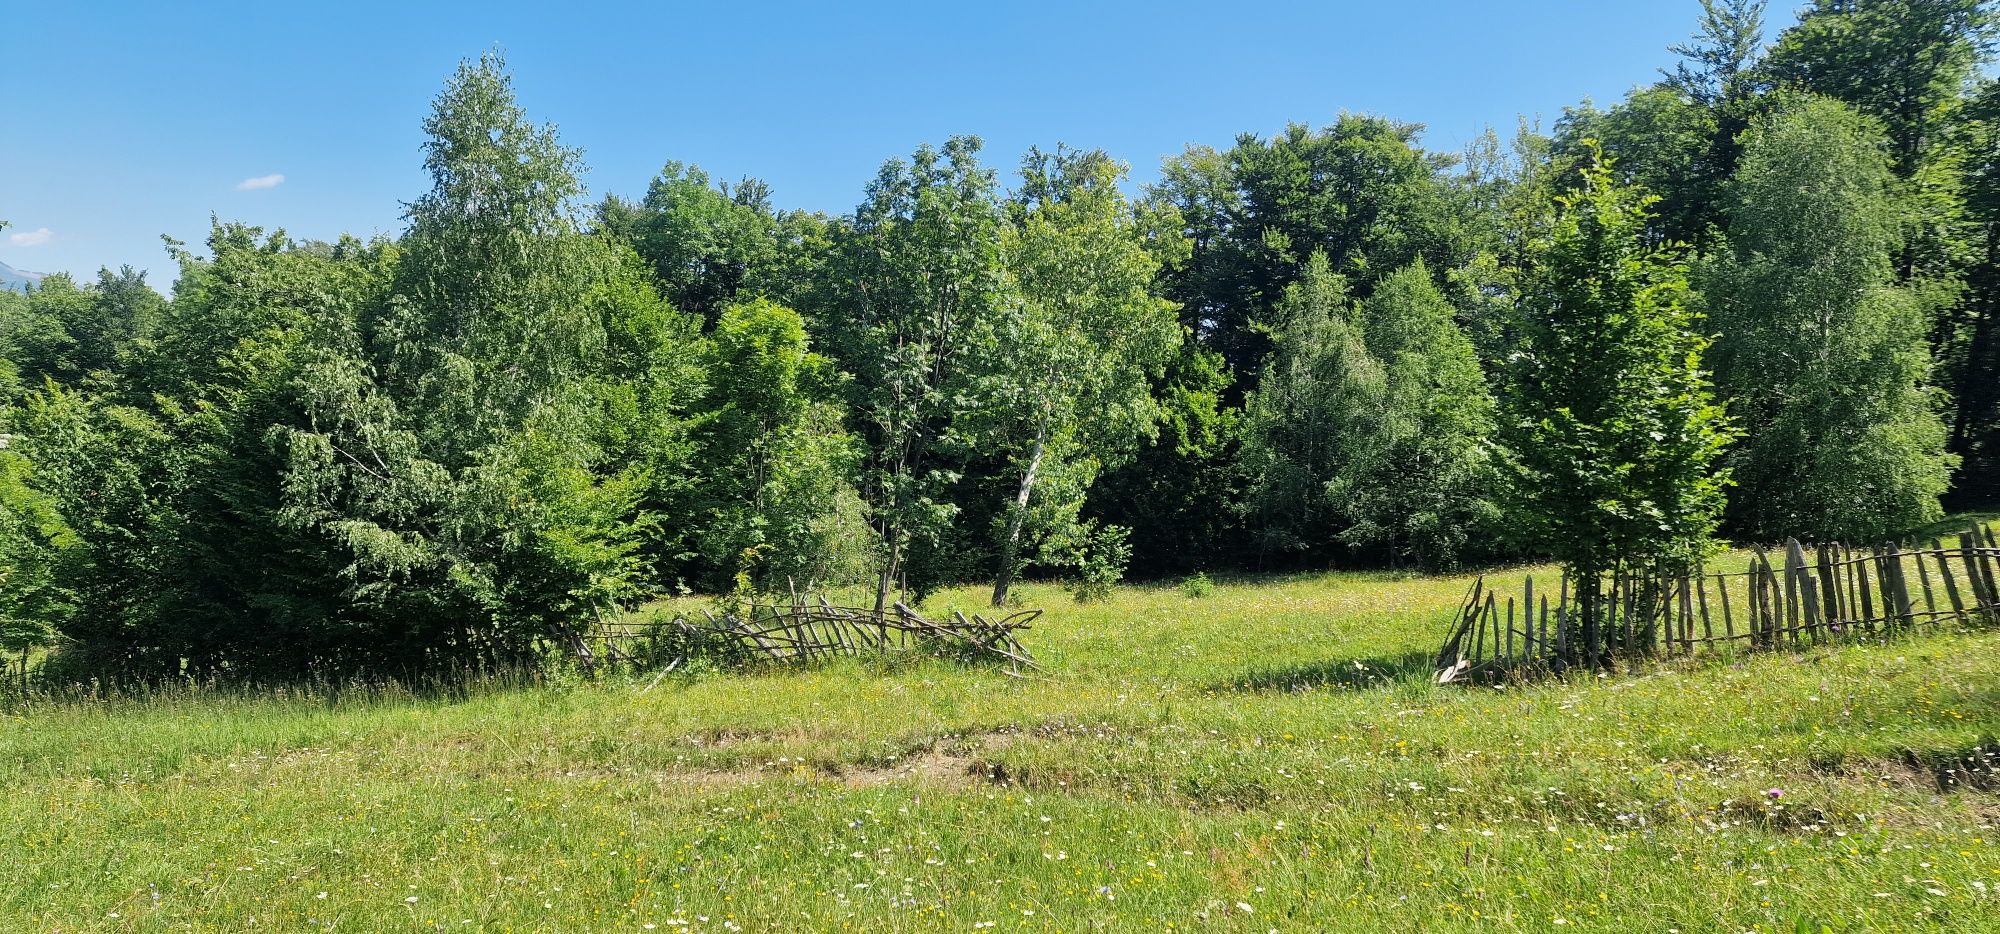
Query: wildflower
[1774,794]
[1245,908]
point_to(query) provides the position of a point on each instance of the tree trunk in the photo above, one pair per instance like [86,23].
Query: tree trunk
[1010,548]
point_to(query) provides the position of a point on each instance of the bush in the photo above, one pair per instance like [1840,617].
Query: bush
[1099,554]
[1198,586]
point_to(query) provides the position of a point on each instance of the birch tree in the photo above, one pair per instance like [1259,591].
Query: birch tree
[1072,358]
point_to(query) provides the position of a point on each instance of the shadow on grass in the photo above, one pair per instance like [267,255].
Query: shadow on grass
[1952,524]
[1347,674]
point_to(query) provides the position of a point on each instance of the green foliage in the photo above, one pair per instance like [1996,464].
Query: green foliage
[459,447]
[36,549]
[1197,587]
[68,332]
[922,273]
[775,459]
[1371,425]
[1098,555]
[1611,432]
[1668,144]
[1319,398]
[1360,191]
[1823,357]
[1714,65]
[1421,485]
[1904,62]
[1066,382]
[708,245]
[118,483]
[469,490]
[1182,486]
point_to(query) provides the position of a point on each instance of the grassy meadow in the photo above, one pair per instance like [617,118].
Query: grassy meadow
[1269,757]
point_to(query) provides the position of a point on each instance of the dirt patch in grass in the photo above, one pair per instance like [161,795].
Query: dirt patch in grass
[956,762]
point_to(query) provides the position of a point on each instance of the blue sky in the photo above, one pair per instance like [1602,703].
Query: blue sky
[125,121]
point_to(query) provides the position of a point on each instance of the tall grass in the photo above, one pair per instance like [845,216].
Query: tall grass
[1272,755]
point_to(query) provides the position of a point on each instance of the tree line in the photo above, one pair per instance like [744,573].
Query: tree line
[1759,297]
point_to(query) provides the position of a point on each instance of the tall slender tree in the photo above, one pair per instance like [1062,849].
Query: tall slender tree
[1316,407]
[1069,388]
[922,273]
[1422,488]
[453,444]
[1822,355]
[1611,430]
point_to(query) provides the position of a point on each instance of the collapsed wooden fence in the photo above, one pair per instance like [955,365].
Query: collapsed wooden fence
[803,632]
[1809,595]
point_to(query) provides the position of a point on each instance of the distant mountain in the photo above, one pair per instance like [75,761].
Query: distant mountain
[16,279]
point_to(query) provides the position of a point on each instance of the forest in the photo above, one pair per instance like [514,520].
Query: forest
[1756,299]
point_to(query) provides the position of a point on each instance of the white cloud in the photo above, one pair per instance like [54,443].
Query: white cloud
[35,237]
[260,183]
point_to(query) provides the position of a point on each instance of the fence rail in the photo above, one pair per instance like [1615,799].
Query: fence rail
[804,632]
[1808,595]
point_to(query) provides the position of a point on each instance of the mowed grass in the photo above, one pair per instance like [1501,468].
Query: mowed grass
[1271,757]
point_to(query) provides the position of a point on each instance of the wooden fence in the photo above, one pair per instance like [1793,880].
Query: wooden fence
[1806,596]
[802,633]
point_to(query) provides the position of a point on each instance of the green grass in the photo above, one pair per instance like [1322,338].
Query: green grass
[1271,756]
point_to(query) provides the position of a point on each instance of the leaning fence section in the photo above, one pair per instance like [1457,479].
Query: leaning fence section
[1800,596]
[804,632]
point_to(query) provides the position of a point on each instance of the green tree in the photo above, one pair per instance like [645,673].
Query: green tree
[1362,191]
[1823,356]
[68,332]
[1679,138]
[454,444]
[1716,65]
[1909,64]
[1904,62]
[1611,433]
[776,460]
[1179,493]
[1067,385]
[1372,427]
[1318,403]
[708,244]
[1422,487]
[111,473]
[36,548]
[921,272]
